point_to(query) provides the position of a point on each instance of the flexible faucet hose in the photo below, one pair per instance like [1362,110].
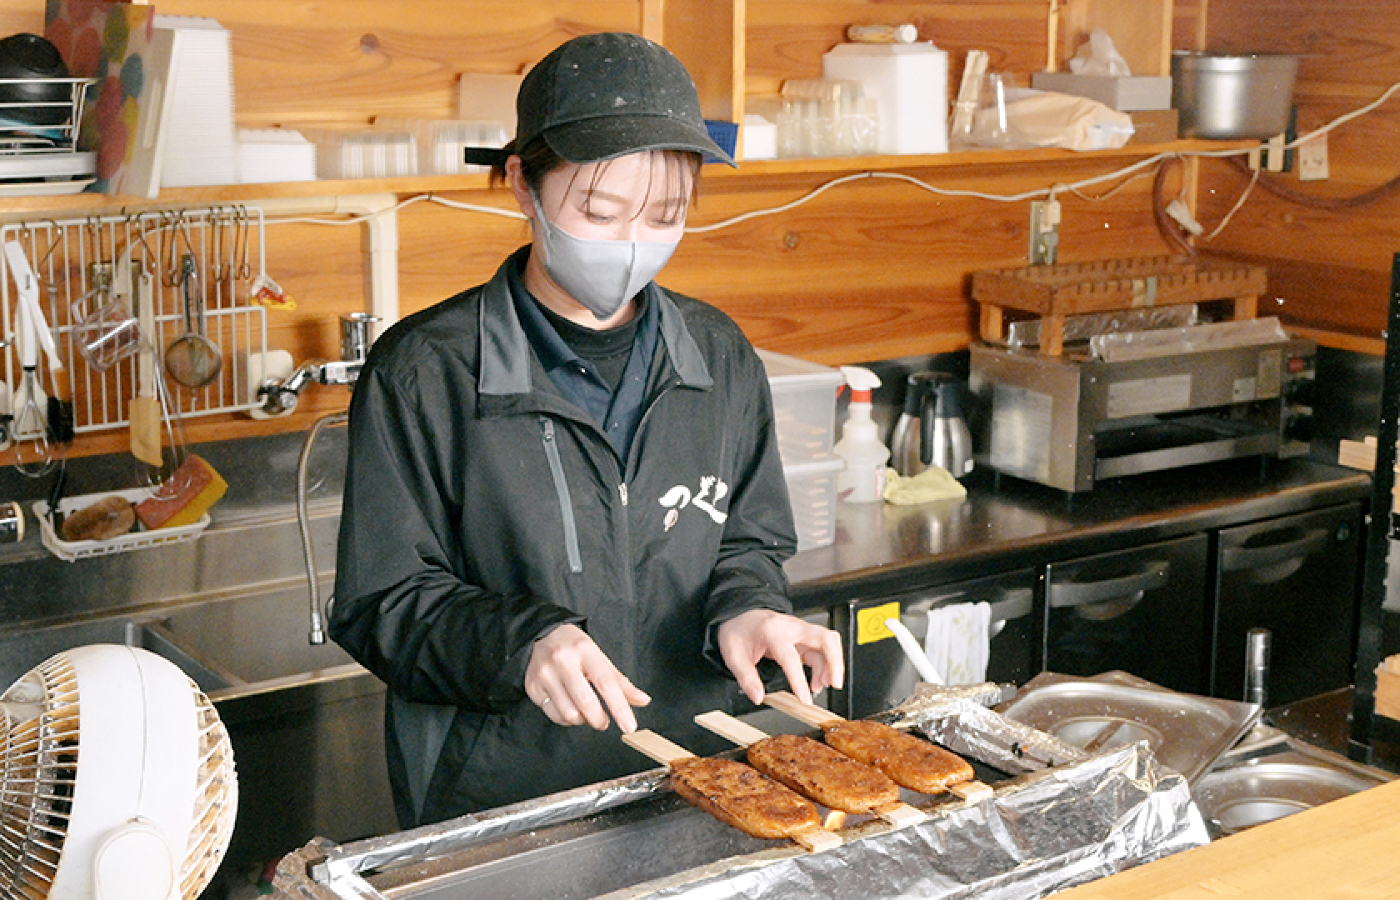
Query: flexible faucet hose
[317,634]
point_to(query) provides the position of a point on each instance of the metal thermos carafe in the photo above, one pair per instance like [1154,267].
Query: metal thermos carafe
[931,430]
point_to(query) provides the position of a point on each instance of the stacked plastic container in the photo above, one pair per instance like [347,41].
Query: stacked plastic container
[804,407]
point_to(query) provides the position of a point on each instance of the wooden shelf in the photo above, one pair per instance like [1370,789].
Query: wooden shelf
[21,208]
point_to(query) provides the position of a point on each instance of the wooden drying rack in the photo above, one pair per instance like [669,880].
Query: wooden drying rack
[1057,291]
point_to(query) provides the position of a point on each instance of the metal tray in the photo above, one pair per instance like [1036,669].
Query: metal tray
[1186,732]
[1271,774]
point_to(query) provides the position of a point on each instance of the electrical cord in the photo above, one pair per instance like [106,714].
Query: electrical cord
[1315,201]
[1166,225]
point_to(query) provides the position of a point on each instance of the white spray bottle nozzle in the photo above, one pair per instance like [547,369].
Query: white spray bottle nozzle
[863,479]
[861,381]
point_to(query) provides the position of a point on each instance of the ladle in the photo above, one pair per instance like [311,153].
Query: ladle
[193,360]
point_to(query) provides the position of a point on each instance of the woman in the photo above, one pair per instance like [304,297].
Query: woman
[564,507]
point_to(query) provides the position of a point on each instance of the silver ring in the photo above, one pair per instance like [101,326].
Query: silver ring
[544,701]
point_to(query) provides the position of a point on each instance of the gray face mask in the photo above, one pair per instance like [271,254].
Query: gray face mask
[602,275]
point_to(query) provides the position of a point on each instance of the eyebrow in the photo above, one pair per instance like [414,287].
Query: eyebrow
[592,193]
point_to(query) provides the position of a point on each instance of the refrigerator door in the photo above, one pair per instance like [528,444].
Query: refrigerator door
[879,675]
[1141,611]
[1297,577]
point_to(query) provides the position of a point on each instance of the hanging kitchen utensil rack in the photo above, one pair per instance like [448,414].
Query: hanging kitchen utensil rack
[76,261]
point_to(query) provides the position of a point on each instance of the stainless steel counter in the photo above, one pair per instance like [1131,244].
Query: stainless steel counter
[880,547]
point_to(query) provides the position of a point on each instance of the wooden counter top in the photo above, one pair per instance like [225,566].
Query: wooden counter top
[1347,848]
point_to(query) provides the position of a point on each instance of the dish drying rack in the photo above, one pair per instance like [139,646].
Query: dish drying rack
[1056,292]
[39,140]
[73,258]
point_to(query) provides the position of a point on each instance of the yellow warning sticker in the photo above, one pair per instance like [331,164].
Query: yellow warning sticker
[870,623]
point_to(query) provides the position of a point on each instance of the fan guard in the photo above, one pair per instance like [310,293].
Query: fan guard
[117,780]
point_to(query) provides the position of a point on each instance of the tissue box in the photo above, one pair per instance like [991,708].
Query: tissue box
[1123,94]
[274,154]
[1154,126]
[760,138]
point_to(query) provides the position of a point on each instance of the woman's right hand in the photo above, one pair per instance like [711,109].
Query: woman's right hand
[573,682]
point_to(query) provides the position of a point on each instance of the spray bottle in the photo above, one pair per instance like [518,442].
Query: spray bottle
[863,479]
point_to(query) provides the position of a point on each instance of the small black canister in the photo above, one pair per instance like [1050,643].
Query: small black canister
[11,523]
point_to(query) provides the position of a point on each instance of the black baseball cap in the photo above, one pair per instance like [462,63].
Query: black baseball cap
[601,96]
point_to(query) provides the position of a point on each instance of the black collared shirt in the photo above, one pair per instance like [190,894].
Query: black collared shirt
[571,355]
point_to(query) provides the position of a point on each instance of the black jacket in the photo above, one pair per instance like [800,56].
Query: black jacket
[482,509]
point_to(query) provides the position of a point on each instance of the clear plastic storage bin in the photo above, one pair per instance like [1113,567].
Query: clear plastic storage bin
[804,409]
[812,493]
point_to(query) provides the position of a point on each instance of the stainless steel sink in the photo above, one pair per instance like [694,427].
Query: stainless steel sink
[22,651]
[229,645]
[306,721]
[250,639]
[1270,775]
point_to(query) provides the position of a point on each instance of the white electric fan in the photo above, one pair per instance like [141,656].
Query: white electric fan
[116,780]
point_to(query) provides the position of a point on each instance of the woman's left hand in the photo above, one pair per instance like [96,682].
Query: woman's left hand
[787,640]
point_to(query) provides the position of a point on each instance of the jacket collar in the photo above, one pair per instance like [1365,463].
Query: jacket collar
[509,367]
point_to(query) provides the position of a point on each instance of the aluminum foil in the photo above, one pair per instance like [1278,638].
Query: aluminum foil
[1055,830]
[454,835]
[1067,818]
[958,718]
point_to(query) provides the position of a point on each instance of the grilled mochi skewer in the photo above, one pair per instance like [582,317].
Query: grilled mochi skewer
[912,762]
[737,794]
[816,770]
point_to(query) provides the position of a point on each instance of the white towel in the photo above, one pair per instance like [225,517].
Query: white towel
[959,641]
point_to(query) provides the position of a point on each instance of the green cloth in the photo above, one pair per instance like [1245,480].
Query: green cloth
[933,483]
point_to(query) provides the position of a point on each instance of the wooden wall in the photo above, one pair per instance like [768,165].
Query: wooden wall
[871,269]
[1329,267]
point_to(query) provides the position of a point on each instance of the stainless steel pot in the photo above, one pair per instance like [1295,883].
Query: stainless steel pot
[1233,97]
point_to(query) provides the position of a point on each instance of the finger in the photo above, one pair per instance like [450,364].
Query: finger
[827,663]
[551,711]
[615,697]
[636,696]
[586,706]
[746,674]
[791,663]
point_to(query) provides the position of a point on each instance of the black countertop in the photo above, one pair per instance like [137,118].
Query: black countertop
[1006,522]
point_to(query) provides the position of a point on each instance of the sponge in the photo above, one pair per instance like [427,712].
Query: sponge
[185,496]
[107,518]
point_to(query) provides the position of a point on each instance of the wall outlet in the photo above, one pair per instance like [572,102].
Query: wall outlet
[1312,159]
[1044,232]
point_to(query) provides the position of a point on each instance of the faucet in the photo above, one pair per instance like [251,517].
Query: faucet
[317,633]
[281,396]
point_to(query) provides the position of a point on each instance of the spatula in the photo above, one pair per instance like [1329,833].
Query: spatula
[144,412]
[651,744]
[745,735]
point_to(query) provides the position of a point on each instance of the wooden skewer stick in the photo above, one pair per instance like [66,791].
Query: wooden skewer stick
[668,753]
[788,704]
[745,735]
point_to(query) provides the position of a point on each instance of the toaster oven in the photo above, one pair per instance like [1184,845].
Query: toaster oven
[1073,419]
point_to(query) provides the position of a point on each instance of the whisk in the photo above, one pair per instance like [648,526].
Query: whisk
[30,418]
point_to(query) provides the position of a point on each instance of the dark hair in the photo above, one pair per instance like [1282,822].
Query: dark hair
[538,159]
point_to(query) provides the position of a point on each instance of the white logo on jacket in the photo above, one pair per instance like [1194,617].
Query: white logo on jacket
[679,497]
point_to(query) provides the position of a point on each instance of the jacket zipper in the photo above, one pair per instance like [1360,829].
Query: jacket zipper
[561,491]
